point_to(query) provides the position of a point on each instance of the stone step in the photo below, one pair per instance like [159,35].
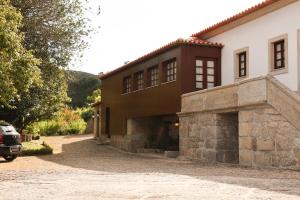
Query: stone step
[149,150]
[171,154]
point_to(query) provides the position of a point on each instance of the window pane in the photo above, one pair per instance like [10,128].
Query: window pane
[199,63]
[242,57]
[210,85]
[210,64]
[210,71]
[278,47]
[278,63]
[242,65]
[278,56]
[199,85]
[199,70]
[243,72]
[199,78]
[210,78]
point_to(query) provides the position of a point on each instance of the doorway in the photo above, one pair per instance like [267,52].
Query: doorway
[228,138]
[107,121]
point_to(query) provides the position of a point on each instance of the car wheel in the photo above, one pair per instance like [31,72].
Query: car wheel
[10,158]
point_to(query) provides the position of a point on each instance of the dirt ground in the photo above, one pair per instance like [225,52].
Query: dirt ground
[81,169]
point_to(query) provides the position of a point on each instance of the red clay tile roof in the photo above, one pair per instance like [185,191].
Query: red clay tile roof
[235,17]
[171,45]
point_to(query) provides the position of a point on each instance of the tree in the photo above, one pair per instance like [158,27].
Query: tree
[81,85]
[95,97]
[41,102]
[18,67]
[55,30]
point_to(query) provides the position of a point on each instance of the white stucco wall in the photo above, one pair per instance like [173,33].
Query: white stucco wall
[255,35]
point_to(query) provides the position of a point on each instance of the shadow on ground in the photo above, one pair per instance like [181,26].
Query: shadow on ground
[86,154]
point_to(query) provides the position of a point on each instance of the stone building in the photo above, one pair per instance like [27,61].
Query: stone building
[230,93]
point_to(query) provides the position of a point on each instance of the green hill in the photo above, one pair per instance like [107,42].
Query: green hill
[81,85]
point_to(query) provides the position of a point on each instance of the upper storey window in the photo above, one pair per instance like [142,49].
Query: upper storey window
[278,55]
[127,85]
[139,80]
[170,70]
[205,72]
[242,64]
[153,76]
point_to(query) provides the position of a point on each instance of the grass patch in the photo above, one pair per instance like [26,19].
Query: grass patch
[36,148]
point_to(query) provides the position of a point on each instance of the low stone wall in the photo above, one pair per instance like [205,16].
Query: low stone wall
[209,137]
[129,143]
[254,123]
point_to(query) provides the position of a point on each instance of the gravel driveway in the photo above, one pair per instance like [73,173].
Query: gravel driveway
[80,169]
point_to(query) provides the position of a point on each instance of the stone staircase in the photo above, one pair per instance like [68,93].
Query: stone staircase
[285,101]
[268,123]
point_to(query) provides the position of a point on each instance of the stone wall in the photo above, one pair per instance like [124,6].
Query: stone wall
[264,133]
[209,137]
[129,143]
[267,139]
[140,132]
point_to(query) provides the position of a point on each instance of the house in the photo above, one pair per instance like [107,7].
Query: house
[230,93]
[140,100]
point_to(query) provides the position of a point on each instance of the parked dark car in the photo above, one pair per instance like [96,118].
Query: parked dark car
[10,142]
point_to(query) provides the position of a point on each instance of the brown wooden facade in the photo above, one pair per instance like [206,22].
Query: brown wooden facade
[163,99]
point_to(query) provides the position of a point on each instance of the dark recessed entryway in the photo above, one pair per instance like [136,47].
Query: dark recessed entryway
[228,138]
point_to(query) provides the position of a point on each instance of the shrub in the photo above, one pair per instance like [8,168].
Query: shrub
[65,122]
[31,129]
[85,113]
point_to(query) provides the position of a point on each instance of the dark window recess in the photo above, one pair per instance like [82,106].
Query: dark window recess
[242,61]
[279,59]
[127,85]
[153,77]
[170,70]
[139,81]
[107,121]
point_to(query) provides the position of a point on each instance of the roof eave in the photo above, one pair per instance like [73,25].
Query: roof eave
[165,48]
[250,14]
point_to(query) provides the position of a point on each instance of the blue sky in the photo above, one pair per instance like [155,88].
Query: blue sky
[132,28]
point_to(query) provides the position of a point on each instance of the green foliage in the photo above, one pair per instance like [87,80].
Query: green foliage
[32,90]
[31,129]
[18,67]
[95,97]
[86,113]
[41,102]
[34,148]
[81,86]
[63,123]
[55,29]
